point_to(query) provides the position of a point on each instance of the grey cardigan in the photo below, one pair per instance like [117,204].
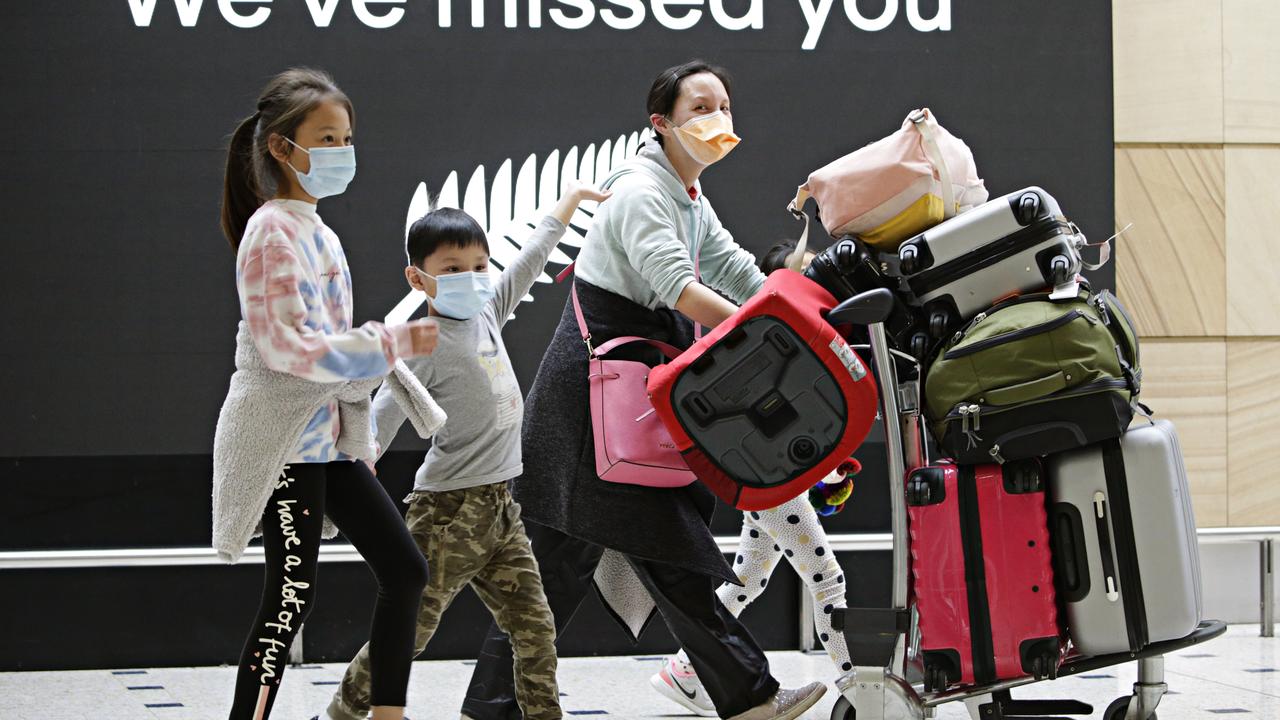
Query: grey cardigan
[261,419]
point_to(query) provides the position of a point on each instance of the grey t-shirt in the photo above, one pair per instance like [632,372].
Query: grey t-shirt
[470,376]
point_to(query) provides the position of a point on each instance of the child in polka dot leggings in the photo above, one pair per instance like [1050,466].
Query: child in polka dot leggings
[790,531]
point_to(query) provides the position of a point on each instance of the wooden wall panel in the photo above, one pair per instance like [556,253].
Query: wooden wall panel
[1197,128]
[1253,240]
[1253,416]
[1171,265]
[1251,71]
[1185,381]
[1168,70]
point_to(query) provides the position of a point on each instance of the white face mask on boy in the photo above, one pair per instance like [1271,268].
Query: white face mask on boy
[460,295]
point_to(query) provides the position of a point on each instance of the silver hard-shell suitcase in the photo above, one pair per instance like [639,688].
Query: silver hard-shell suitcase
[1126,560]
[1017,243]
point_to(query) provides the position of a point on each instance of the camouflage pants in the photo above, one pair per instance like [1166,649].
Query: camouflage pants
[476,536]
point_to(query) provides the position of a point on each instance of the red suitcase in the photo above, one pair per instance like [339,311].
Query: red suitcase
[769,402]
[982,573]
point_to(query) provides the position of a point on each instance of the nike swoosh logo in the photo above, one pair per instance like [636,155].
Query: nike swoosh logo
[691,695]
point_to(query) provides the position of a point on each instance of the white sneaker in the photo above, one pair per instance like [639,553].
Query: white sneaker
[678,682]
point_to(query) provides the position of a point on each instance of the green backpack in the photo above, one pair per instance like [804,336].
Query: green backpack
[1034,376]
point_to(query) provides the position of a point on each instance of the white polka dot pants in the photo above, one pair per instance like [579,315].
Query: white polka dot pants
[790,530]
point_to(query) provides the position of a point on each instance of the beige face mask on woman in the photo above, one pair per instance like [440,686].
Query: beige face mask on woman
[707,138]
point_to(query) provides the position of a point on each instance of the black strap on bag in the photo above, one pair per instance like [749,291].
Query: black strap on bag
[975,576]
[1126,547]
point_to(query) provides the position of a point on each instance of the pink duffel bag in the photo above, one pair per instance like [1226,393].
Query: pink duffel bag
[897,186]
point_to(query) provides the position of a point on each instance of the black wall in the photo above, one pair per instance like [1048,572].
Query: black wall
[119,301]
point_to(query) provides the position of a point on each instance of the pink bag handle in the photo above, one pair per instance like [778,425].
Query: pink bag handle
[667,349]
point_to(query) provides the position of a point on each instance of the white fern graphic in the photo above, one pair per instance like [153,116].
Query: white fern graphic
[509,212]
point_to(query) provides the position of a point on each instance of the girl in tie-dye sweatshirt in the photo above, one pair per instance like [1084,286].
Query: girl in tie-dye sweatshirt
[295,297]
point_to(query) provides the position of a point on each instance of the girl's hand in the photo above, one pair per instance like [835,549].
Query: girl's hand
[423,336]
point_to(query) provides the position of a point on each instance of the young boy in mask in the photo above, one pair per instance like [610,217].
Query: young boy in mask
[460,512]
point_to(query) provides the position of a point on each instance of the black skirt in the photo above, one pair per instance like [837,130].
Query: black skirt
[560,488]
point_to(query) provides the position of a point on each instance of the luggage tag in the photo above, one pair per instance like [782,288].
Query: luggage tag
[1070,290]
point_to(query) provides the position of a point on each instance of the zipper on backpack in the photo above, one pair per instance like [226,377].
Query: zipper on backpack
[1016,335]
[969,423]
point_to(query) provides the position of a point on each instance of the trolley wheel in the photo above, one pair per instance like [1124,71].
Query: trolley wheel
[843,710]
[1118,707]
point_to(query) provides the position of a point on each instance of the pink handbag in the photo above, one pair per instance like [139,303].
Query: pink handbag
[633,447]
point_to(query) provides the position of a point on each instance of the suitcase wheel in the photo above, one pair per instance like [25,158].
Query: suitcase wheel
[941,668]
[845,254]
[1040,667]
[917,492]
[1040,657]
[935,679]
[938,322]
[919,346]
[1028,208]
[926,486]
[1023,477]
[1059,270]
[910,259]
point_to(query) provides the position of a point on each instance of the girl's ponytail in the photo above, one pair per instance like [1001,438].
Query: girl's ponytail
[241,194]
[253,175]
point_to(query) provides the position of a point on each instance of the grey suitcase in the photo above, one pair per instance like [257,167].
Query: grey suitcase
[1126,561]
[1017,243]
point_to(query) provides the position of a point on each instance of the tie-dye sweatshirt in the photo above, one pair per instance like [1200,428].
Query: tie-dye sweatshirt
[295,295]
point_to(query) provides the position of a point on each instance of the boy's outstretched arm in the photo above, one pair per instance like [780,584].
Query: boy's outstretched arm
[520,275]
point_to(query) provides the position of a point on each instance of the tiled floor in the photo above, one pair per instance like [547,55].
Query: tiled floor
[1237,675]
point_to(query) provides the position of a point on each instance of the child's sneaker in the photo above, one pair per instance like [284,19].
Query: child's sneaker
[678,682]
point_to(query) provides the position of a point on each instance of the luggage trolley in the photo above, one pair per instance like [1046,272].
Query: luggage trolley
[883,641]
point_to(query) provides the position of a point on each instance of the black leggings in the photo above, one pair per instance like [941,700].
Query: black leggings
[291,526]
[729,662]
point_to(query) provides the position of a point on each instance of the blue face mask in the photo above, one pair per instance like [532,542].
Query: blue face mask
[332,169]
[460,295]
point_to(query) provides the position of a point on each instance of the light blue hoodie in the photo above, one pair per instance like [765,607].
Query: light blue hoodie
[643,239]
